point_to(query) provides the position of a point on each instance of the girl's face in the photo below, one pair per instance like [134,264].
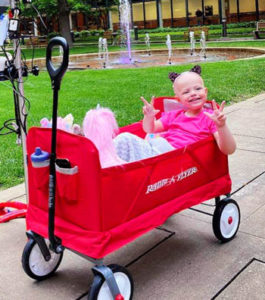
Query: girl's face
[190,90]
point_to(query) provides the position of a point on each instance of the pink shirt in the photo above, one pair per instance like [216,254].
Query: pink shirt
[182,130]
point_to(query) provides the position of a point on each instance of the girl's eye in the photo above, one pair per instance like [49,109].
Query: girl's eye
[198,88]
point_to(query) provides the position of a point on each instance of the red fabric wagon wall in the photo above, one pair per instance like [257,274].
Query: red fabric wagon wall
[99,210]
[136,188]
[77,195]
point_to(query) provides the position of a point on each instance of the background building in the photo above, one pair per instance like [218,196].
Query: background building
[174,13]
[147,14]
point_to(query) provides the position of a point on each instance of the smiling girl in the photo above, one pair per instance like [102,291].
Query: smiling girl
[181,127]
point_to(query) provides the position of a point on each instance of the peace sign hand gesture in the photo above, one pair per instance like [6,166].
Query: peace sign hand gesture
[148,108]
[217,116]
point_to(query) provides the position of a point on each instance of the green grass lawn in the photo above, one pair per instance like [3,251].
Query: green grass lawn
[119,89]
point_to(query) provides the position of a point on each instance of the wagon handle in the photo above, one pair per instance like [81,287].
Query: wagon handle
[57,74]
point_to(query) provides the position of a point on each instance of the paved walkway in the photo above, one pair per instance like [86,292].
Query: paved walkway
[191,264]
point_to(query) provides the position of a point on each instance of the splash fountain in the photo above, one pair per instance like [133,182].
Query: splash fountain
[123,59]
[158,58]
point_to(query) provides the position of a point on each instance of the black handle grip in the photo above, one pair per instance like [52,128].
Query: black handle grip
[56,74]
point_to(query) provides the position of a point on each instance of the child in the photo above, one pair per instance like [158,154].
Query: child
[181,127]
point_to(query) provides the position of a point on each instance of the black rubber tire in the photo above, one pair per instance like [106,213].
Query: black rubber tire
[216,222]
[33,246]
[99,281]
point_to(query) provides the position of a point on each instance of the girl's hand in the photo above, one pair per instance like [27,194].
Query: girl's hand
[217,116]
[148,108]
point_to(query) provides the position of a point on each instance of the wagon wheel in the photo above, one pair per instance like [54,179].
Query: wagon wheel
[100,290]
[34,263]
[226,220]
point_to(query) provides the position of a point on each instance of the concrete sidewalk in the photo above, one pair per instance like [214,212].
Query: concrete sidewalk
[191,264]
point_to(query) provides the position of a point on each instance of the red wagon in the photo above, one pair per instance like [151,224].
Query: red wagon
[100,210]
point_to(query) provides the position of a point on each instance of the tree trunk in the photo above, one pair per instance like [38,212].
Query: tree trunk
[64,25]
[86,21]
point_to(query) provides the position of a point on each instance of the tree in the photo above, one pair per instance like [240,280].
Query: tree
[64,10]
[59,10]
[95,11]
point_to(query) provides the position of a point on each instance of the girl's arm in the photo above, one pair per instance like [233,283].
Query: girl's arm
[223,136]
[150,124]
[225,140]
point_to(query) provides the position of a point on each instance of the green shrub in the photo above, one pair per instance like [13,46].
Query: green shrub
[53,34]
[216,26]
[84,34]
[96,32]
[240,30]
[250,24]
[76,34]
[162,30]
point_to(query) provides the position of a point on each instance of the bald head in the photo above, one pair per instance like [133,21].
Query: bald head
[186,79]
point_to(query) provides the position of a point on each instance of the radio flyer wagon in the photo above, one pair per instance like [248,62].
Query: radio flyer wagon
[93,211]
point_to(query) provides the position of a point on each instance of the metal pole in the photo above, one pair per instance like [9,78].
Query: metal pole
[107,8]
[257,10]
[203,13]
[237,10]
[131,8]
[187,12]
[222,17]
[110,20]
[144,14]
[159,14]
[220,11]
[18,66]
[171,13]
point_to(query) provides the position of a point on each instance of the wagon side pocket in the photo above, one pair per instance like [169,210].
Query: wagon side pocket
[67,183]
[41,175]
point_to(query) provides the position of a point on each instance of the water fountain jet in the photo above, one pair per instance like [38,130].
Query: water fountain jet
[147,43]
[100,47]
[125,25]
[192,43]
[169,47]
[105,52]
[203,45]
